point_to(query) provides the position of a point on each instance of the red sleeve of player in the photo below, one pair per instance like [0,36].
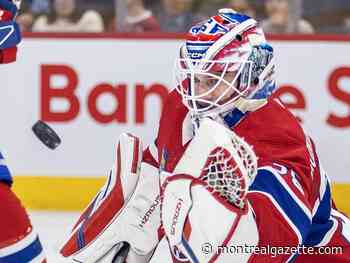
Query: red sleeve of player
[283,214]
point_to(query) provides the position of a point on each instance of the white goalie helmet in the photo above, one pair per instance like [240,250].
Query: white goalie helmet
[224,60]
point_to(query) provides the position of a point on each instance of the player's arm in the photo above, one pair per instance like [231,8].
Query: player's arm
[280,190]
[19,241]
[124,217]
[10,34]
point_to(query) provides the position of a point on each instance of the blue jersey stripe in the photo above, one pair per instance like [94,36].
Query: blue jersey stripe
[321,222]
[233,117]
[324,210]
[267,182]
[25,255]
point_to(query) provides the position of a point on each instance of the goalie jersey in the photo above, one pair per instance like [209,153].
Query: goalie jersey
[290,196]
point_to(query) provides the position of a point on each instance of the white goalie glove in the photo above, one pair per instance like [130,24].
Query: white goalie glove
[122,220]
[204,205]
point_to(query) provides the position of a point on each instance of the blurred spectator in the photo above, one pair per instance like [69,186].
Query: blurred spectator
[176,15]
[242,6]
[284,17]
[65,17]
[106,8]
[25,18]
[137,19]
[206,8]
[40,7]
[25,21]
[347,25]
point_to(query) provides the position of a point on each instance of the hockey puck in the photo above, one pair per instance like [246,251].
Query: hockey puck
[46,134]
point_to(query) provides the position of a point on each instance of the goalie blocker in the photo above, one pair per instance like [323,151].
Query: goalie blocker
[124,212]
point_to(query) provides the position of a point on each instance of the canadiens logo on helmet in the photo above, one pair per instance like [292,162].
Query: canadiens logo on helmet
[203,35]
[211,27]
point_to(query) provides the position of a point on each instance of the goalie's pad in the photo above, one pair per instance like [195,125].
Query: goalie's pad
[117,213]
[204,202]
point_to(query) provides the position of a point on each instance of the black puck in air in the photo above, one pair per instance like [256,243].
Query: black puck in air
[46,134]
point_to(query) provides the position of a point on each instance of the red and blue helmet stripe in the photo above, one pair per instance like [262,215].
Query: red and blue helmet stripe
[203,35]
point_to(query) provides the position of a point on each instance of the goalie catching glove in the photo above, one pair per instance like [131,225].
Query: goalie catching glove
[204,200]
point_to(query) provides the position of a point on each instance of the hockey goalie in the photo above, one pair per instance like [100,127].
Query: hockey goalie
[231,177]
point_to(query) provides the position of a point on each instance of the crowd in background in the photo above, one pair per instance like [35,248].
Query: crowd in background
[275,16]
